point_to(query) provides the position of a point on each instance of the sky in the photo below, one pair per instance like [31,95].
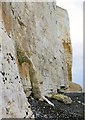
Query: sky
[75,11]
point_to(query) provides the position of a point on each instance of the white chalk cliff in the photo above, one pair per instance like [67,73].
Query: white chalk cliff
[36,54]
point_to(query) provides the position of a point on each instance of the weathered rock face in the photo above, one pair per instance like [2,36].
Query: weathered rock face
[42,34]
[37,53]
[64,36]
[43,37]
[14,102]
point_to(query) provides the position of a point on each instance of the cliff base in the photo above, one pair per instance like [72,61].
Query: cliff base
[61,111]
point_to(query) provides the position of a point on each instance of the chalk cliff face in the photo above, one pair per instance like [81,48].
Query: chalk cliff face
[38,33]
[14,103]
[37,53]
[64,37]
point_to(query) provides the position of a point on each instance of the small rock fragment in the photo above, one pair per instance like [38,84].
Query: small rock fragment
[62,98]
